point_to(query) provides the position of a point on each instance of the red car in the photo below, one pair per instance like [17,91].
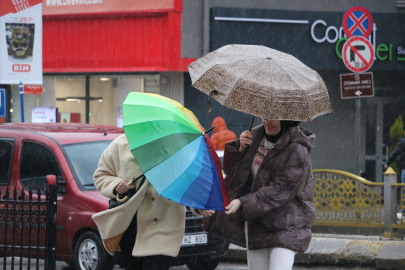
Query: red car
[30,152]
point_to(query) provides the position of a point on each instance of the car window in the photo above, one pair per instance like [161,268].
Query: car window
[37,161]
[84,158]
[6,155]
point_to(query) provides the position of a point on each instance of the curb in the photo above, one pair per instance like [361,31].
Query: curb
[340,250]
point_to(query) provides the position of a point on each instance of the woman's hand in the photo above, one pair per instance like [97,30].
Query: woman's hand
[245,139]
[207,213]
[233,206]
[123,187]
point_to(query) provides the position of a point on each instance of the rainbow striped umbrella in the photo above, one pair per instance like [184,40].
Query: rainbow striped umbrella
[173,151]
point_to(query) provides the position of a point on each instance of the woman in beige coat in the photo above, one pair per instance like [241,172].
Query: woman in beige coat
[148,228]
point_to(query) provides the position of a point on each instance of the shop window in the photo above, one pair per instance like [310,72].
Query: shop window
[6,155]
[37,161]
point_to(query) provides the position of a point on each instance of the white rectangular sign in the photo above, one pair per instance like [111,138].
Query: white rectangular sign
[43,115]
[21,41]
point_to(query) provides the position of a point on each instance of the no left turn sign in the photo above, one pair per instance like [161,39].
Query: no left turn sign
[358,54]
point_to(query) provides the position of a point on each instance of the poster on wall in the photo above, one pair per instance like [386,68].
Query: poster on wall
[43,115]
[21,41]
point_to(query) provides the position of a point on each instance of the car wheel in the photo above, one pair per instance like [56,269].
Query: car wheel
[206,264]
[90,253]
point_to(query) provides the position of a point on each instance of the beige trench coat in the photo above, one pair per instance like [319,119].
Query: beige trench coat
[160,221]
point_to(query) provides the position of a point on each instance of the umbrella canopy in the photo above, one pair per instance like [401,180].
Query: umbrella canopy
[262,82]
[173,152]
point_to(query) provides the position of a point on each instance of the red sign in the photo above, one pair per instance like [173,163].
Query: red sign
[358,54]
[12,6]
[59,7]
[21,68]
[357,21]
[357,85]
[33,89]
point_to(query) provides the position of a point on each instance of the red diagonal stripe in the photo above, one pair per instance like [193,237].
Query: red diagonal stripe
[357,53]
[358,23]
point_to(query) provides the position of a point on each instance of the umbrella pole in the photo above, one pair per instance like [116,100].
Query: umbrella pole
[251,124]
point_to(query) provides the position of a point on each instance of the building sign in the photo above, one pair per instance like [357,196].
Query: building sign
[33,89]
[357,85]
[43,115]
[59,7]
[357,21]
[358,54]
[2,103]
[21,41]
[316,38]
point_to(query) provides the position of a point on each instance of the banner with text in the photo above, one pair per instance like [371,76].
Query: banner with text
[21,41]
[63,7]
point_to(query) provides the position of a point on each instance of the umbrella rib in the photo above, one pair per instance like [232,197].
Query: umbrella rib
[182,171]
[217,64]
[175,152]
[212,182]
[306,94]
[241,77]
[178,113]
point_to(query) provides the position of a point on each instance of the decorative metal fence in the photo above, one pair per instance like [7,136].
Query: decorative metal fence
[345,199]
[28,229]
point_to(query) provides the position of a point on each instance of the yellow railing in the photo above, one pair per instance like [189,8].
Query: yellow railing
[345,199]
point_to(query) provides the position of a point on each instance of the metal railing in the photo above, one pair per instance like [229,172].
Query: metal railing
[28,229]
[347,200]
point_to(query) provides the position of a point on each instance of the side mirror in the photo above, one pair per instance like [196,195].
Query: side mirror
[50,180]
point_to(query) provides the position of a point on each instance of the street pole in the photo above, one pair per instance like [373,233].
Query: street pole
[390,200]
[357,135]
[22,101]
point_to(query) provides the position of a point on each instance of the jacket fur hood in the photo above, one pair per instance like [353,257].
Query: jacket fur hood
[293,135]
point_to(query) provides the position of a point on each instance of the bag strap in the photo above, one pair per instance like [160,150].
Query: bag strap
[140,185]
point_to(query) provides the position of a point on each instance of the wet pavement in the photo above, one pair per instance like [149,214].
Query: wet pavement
[222,266]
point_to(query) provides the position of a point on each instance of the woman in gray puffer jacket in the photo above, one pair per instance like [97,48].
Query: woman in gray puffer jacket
[269,180]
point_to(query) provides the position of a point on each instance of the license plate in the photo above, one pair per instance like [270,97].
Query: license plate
[195,239]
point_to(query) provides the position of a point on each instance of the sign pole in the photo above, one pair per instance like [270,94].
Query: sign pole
[357,132]
[22,101]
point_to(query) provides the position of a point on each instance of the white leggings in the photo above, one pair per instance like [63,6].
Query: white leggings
[269,258]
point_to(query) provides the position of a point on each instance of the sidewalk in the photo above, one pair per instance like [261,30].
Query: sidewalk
[343,250]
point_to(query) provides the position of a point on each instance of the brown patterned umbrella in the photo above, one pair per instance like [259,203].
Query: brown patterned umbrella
[262,82]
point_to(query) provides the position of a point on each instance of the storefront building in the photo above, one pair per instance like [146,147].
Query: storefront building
[355,136]
[95,52]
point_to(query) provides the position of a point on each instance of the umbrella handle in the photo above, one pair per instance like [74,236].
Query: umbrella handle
[117,197]
[251,124]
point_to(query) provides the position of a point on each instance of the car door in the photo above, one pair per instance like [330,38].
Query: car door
[37,160]
[7,147]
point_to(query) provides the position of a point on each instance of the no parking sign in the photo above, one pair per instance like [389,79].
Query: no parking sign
[357,21]
[358,54]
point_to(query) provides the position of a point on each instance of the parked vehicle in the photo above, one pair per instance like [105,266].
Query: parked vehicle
[31,152]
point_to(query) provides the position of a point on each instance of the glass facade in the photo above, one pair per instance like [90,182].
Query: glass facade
[67,93]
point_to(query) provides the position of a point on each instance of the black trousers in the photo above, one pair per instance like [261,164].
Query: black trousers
[155,262]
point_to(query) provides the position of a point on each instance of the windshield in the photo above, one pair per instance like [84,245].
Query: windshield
[85,157]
